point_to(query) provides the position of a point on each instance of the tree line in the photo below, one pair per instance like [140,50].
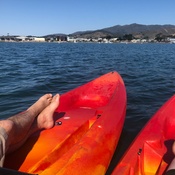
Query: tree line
[158,37]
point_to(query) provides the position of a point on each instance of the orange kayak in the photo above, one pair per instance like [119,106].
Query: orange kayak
[151,152]
[88,124]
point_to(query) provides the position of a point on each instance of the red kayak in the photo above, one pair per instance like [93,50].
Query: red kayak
[88,124]
[151,152]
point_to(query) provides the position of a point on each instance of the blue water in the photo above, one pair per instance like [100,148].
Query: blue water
[29,70]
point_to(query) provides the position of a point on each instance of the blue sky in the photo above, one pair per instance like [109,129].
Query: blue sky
[42,17]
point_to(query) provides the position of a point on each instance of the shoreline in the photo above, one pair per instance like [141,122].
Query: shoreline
[59,42]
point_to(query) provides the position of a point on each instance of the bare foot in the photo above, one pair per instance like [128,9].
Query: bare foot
[45,118]
[39,105]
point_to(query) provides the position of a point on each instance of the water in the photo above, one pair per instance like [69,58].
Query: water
[29,70]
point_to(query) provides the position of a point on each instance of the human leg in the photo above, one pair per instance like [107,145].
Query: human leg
[3,139]
[16,127]
[43,121]
[171,168]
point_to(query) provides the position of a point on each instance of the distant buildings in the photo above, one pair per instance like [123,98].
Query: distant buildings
[172,40]
[64,38]
[21,39]
[61,38]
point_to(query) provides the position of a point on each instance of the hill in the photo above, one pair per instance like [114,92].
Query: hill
[137,30]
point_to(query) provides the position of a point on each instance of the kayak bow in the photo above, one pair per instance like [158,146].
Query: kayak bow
[88,124]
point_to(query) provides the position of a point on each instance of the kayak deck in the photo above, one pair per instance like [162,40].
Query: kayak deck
[151,152]
[88,125]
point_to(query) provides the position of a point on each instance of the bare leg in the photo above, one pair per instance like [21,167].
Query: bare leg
[172,165]
[17,127]
[43,121]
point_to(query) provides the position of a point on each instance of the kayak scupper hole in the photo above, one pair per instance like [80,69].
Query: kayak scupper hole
[98,116]
[139,152]
[58,123]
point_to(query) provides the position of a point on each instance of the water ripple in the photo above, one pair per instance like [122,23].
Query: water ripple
[28,70]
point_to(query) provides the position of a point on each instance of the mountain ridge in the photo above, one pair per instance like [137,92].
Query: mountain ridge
[137,30]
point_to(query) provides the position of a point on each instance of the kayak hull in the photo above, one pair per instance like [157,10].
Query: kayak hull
[151,152]
[88,124]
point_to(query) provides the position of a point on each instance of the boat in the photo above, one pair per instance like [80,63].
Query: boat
[88,124]
[151,151]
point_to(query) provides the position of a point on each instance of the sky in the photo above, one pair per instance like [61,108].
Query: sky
[43,17]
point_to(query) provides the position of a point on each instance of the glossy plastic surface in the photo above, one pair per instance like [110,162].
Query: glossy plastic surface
[88,121]
[151,152]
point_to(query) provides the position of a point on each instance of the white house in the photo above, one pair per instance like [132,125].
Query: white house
[71,39]
[36,39]
[21,38]
[172,40]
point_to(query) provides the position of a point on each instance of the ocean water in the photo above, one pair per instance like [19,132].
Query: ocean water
[29,70]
